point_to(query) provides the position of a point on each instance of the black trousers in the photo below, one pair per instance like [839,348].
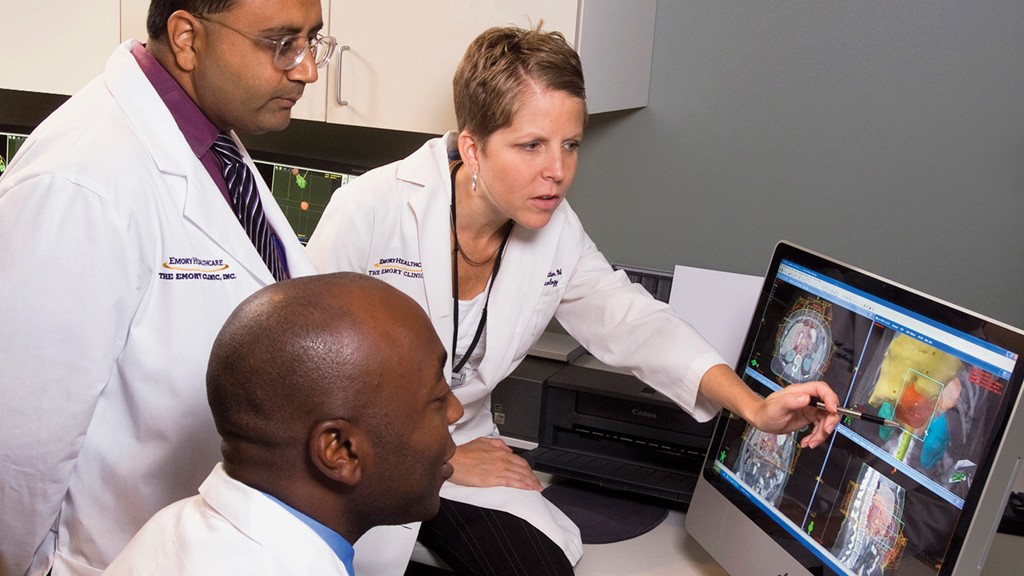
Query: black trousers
[476,541]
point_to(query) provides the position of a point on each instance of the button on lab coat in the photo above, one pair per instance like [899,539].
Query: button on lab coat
[119,261]
[394,223]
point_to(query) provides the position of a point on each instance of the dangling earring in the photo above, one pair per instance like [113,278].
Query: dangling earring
[474,182]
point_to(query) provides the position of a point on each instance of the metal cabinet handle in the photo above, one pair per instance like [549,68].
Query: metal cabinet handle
[341,54]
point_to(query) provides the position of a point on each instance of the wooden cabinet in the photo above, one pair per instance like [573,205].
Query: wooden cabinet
[56,46]
[400,56]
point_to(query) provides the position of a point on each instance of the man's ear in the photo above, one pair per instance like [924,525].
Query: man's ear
[182,33]
[335,447]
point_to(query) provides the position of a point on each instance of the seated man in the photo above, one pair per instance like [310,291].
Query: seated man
[330,397]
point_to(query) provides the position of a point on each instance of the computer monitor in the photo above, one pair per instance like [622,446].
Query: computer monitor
[922,498]
[10,142]
[303,186]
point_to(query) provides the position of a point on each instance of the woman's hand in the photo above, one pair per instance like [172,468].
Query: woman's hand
[490,462]
[781,412]
[790,409]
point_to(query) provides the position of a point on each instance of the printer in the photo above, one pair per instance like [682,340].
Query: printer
[593,424]
[613,430]
[583,420]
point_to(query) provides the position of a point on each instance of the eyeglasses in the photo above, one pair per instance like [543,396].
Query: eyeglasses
[289,51]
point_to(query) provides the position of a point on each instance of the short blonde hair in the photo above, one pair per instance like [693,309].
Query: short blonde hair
[498,68]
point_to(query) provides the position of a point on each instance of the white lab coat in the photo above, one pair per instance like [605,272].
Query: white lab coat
[229,528]
[119,261]
[393,222]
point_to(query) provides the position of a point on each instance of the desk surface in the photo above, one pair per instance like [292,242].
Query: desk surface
[668,550]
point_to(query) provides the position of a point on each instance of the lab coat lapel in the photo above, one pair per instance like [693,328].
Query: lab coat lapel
[207,208]
[433,235]
[516,291]
[295,254]
[198,197]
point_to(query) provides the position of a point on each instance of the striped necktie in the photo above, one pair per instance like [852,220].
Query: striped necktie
[245,197]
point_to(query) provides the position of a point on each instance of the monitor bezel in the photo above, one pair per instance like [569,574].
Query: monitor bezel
[16,129]
[265,158]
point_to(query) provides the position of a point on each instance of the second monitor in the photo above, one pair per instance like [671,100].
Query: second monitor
[303,187]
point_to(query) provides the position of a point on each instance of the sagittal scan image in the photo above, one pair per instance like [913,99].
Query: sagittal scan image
[871,538]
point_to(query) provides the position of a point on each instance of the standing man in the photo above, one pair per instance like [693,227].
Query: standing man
[131,224]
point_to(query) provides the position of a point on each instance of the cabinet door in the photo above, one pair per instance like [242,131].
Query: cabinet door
[397,71]
[133,19]
[313,105]
[56,46]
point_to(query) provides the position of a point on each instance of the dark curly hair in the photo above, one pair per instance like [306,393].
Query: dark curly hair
[160,11]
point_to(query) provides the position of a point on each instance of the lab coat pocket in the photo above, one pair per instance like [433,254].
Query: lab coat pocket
[544,311]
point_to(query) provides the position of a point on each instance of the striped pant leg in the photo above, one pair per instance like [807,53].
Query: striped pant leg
[476,541]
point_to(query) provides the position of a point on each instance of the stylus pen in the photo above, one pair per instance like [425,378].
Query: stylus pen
[862,416]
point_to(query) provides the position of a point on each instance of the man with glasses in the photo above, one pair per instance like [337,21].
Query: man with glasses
[131,224]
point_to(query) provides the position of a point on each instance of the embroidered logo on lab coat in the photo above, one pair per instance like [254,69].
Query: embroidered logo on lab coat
[399,266]
[195,268]
[554,277]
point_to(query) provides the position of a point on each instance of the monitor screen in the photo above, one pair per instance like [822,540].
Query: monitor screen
[9,144]
[921,496]
[303,187]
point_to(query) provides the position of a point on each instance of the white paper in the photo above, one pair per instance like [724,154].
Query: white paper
[718,304]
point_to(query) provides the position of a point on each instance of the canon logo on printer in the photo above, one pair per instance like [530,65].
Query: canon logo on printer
[643,414]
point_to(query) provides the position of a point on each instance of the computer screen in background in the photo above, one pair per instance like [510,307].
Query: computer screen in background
[303,187]
[924,497]
[9,145]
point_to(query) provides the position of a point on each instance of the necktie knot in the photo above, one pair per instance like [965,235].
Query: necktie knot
[226,150]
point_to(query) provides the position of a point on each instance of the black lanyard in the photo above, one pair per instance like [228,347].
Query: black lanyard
[455,287]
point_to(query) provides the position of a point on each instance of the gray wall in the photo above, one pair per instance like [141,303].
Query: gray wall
[886,133]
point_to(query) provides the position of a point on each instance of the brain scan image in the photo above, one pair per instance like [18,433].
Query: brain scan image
[803,346]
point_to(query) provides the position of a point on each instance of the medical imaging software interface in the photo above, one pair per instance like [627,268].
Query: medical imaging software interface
[302,193]
[9,145]
[873,497]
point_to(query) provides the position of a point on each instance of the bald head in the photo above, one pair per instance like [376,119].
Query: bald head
[329,393]
[301,351]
